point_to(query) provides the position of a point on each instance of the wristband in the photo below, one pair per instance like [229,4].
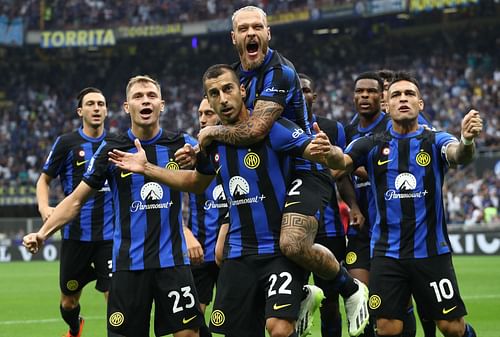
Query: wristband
[465,141]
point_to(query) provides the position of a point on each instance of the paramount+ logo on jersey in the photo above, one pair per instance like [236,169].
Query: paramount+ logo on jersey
[405,185]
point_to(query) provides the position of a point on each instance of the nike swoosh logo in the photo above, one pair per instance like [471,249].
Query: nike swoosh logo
[382,162]
[291,203]
[446,311]
[218,169]
[281,306]
[80,163]
[186,321]
[125,174]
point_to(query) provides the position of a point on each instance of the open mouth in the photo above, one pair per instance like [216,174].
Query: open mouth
[404,108]
[146,112]
[226,110]
[252,48]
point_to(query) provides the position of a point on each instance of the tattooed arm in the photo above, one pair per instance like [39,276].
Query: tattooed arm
[250,131]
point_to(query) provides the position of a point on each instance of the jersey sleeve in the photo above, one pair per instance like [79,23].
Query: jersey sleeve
[277,85]
[55,159]
[96,173]
[358,150]
[443,139]
[204,165]
[188,139]
[286,136]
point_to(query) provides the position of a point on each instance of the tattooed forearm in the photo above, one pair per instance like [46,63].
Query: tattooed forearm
[252,130]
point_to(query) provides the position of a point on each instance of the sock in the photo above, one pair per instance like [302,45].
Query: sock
[332,327]
[429,327]
[344,283]
[72,318]
[469,331]
[204,332]
[409,324]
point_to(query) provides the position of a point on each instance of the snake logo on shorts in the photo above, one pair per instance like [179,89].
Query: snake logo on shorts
[217,318]
[116,319]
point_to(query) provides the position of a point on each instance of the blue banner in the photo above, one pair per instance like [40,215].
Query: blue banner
[11,31]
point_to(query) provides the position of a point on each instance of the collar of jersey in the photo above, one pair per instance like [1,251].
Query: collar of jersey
[91,139]
[372,125]
[147,141]
[409,135]
[269,54]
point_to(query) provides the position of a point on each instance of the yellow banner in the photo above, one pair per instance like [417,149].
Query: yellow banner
[148,31]
[77,38]
[423,5]
[288,17]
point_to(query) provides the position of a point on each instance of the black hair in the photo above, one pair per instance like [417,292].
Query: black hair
[404,76]
[386,74]
[371,76]
[217,70]
[305,77]
[84,92]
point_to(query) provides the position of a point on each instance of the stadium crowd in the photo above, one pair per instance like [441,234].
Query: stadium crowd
[457,71]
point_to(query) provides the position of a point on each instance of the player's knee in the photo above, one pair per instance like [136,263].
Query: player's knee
[69,302]
[452,328]
[389,327]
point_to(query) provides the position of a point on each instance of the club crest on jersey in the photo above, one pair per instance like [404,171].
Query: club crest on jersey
[116,319]
[405,184]
[423,158]
[251,160]
[150,193]
[239,189]
[172,165]
[219,199]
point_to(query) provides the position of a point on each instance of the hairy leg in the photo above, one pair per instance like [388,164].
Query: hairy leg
[297,243]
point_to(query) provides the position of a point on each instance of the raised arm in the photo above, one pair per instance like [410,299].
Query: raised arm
[320,150]
[463,152]
[182,180]
[65,211]
[250,131]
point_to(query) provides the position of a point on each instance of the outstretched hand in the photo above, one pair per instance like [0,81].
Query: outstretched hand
[472,125]
[321,145]
[132,162]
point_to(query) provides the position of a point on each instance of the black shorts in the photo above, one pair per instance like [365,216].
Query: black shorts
[337,246]
[82,262]
[205,277]
[358,251]
[431,281]
[174,294]
[308,193]
[253,288]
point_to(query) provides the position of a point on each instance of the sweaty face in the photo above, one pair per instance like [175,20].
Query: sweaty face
[144,104]
[225,96]
[93,110]
[367,97]
[251,37]
[404,102]
[206,114]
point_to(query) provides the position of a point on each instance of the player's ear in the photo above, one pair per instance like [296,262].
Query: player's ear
[125,107]
[243,91]
[233,37]
[79,112]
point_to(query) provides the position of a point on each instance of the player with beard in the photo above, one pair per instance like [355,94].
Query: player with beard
[273,90]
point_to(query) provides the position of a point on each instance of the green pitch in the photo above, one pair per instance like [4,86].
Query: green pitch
[29,297]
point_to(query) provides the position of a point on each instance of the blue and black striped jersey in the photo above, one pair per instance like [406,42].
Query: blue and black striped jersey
[276,80]
[333,226]
[148,215]
[255,179]
[364,196]
[68,159]
[206,214]
[406,174]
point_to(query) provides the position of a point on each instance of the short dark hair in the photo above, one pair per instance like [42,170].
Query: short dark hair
[404,76]
[386,74]
[306,77]
[370,75]
[84,92]
[217,70]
